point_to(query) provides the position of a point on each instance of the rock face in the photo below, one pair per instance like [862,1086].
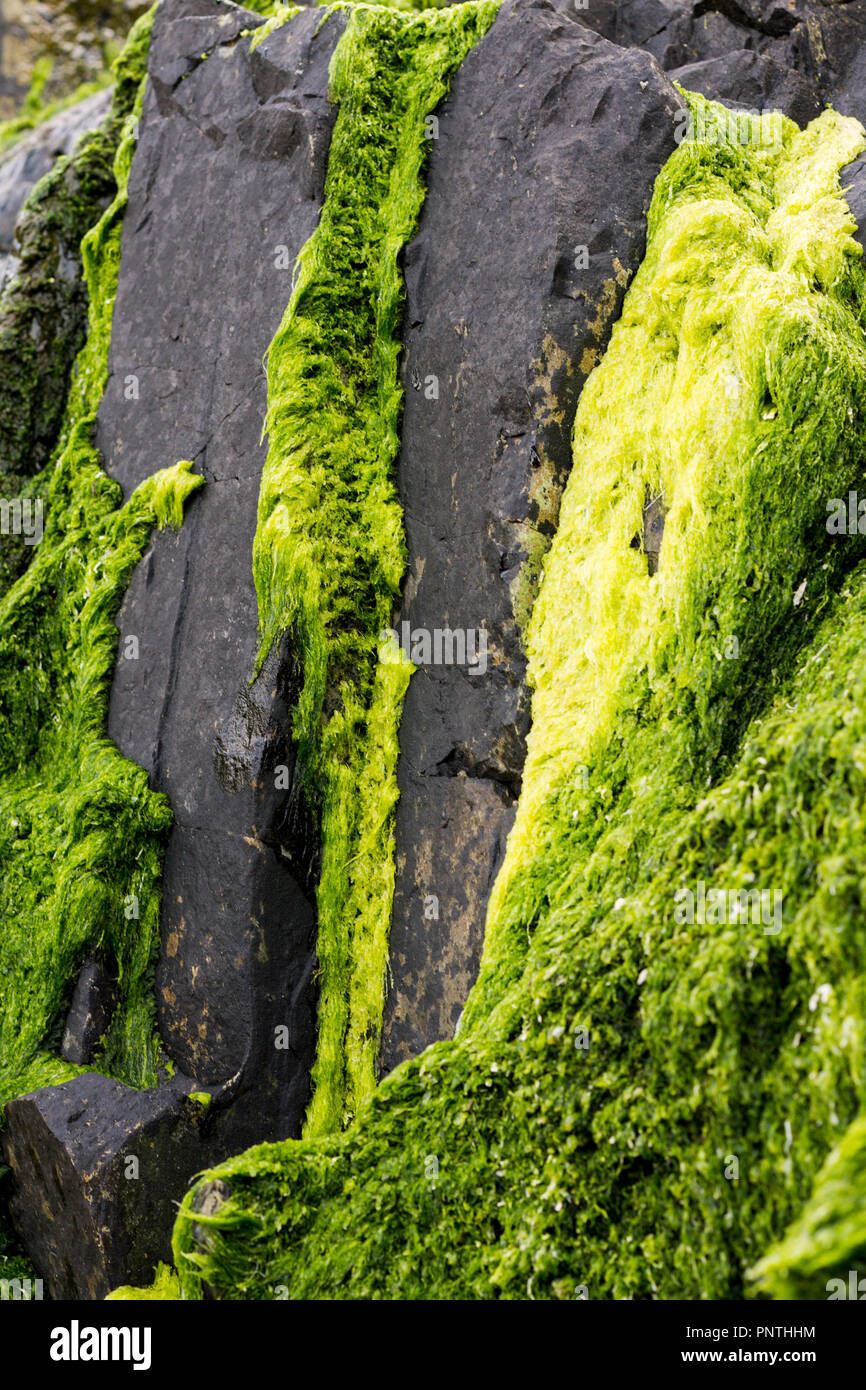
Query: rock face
[34,154]
[554,138]
[43,300]
[792,55]
[97,1169]
[93,1004]
[229,169]
[752,80]
[225,189]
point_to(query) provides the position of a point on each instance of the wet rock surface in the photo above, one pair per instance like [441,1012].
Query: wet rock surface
[553,138]
[792,55]
[43,299]
[755,81]
[97,1170]
[540,177]
[213,196]
[93,1004]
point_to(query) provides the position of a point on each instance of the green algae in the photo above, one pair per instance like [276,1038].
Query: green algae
[43,312]
[635,1106]
[735,372]
[329,553]
[824,1253]
[81,834]
[165,1288]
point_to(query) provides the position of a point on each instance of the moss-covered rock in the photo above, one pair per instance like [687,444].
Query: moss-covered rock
[81,834]
[43,311]
[666,1037]
[329,553]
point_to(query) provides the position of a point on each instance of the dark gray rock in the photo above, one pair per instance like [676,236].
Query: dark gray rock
[815,49]
[796,56]
[208,1199]
[650,539]
[854,183]
[93,1004]
[629,23]
[43,307]
[671,30]
[754,81]
[554,138]
[229,168]
[840,43]
[539,182]
[43,297]
[97,1172]
[38,151]
[498,317]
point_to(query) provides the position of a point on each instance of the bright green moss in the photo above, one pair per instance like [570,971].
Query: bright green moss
[732,381]
[165,1288]
[81,834]
[824,1254]
[635,1105]
[329,553]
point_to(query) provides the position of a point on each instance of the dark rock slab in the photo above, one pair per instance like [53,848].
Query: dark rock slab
[754,81]
[795,56]
[854,183]
[38,151]
[93,1003]
[43,311]
[43,297]
[97,1172]
[230,168]
[550,142]
[815,49]
[841,32]
[673,31]
[225,189]
[539,182]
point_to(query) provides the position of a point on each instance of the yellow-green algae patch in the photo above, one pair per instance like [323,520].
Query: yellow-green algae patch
[637,1106]
[329,554]
[730,388]
[276,16]
[823,1256]
[81,834]
[164,1289]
